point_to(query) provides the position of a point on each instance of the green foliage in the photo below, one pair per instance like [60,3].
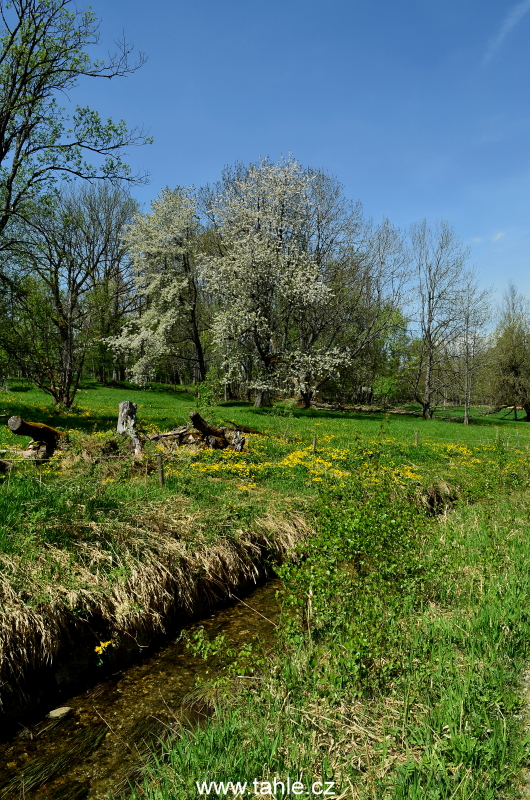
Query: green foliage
[209,394]
[44,52]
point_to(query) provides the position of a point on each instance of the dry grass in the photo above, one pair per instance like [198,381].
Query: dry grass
[128,580]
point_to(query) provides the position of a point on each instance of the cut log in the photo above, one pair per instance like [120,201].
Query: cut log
[45,438]
[38,431]
[127,424]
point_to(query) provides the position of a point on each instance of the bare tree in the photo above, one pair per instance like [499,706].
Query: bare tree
[470,349]
[438,259]
[511,353]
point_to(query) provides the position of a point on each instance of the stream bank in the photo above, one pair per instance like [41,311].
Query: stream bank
[50,651]
[103,743]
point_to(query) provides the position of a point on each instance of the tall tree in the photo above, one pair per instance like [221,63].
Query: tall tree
[265,279]
[71,251]
[163,247]
[43,53]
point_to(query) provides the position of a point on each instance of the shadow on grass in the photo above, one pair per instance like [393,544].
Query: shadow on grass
[75,418]
[280,412]
[160,388]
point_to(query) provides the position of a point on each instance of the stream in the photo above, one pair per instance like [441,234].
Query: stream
[100,746]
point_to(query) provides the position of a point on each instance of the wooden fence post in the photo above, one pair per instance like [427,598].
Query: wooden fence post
[160,470]
[415,438]
[314,444]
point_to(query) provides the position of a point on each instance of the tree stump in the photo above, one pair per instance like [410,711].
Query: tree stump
[127,424]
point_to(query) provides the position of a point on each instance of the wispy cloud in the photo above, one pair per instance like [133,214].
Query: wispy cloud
[498,236]
[510,21]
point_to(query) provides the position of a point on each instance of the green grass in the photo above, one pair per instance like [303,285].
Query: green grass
[94,487]
[406,624]
[96,407]
[402,680]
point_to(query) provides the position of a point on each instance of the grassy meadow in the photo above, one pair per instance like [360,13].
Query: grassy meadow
[404,550]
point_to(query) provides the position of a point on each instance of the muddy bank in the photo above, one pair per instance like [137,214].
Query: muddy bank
[49,652]
[102,745]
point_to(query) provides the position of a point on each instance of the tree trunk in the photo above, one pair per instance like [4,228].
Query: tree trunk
[262,398]
[427,411]
[467,394]
[304,399]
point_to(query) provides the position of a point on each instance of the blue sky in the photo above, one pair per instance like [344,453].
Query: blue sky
[419,107]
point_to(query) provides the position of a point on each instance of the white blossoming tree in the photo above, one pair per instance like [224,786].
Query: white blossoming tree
[303,283]
[162,246]
[267,282]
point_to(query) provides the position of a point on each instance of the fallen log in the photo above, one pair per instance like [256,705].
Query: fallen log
[203,427]
[38,431]
[212,437]
[217,438]
[44,438]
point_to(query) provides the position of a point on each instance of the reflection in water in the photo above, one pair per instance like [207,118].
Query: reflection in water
[100,746]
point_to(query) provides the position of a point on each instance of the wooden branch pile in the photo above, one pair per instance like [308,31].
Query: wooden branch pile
[200,433]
